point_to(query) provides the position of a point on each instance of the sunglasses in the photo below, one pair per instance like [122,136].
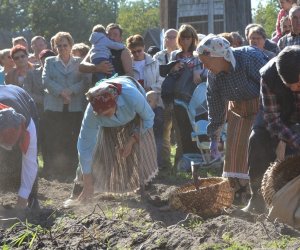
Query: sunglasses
[62,45]
[185,38]
[136,51]
[16,58]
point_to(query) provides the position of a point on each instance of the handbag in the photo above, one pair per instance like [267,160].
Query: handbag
[168,87]
[184,85]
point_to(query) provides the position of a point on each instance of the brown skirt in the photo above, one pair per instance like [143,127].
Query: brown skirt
[240,118]
[114,174]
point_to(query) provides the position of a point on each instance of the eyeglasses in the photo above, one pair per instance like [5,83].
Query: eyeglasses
[170,37]
[136,51]
[62,45]
[16,58]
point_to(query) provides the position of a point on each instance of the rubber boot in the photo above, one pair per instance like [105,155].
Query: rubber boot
[256,203]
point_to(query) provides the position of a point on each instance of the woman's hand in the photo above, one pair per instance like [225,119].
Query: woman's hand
[196,78]
[126,150]
[88,188]
[66,95]
[104,67]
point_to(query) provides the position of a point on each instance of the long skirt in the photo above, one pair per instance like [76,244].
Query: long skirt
[115,174]
[240,118]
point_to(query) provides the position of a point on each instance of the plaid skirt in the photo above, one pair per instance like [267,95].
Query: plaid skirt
[240,118]
[113,173]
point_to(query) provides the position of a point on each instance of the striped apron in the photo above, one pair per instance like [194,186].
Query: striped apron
[240,117]
[113,173]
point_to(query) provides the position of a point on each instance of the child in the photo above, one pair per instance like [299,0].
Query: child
[153,100]
[285,6]
[101,46]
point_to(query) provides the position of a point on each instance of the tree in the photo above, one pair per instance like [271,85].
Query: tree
[137,17]
[13,15]
[74,16]
[46,18]
[266,15]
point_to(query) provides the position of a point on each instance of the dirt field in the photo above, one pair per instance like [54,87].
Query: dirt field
[114,222]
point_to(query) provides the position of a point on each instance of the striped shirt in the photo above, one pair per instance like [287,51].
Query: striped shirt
[273,120]
[241,83]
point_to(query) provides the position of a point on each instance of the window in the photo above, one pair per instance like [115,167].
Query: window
[199,12]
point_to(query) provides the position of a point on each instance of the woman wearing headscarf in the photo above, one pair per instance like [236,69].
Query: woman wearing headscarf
[232,94]
[123,158]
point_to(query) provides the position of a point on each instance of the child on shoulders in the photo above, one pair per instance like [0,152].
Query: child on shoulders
[101,46]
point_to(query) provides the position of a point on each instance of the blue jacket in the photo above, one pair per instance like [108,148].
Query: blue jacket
[56,77]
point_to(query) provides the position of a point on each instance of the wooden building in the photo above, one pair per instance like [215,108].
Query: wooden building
[206,16]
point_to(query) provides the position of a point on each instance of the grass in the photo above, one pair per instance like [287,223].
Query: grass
[173,175]
[26,236]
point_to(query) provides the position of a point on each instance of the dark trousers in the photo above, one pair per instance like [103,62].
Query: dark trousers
[261,152]
[62,130]
[185,130]
[10,172]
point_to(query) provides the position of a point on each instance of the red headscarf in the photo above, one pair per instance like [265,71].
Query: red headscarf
[104,96]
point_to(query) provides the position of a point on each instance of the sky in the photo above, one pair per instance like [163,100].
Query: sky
[254,3]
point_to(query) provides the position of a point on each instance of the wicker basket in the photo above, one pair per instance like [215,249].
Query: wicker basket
[278,175]
[213,196]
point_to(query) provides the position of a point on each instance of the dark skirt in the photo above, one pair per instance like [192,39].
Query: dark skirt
[114,174]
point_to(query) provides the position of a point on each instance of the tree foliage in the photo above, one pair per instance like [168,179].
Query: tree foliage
[136,17]
[47,17]
[266,15]
[75,16]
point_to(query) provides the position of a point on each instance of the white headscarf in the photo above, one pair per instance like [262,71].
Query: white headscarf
[216,46]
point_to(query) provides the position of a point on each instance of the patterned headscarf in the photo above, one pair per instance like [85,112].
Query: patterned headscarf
[216,46]
[104,96]
[12,128]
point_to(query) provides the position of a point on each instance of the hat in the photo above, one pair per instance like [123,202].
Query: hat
[46,53]
[153,50]
[216,46]
[9,118]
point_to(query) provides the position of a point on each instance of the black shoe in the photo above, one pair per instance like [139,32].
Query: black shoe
[76,191]
[34,204]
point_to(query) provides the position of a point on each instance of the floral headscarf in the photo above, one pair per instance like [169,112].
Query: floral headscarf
[216,46]
[104,96]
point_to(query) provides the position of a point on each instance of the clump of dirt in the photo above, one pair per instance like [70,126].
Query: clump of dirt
[129,222]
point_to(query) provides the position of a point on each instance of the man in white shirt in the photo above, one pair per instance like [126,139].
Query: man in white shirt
[18,145]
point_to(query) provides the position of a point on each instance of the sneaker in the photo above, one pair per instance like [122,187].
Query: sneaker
[69,203]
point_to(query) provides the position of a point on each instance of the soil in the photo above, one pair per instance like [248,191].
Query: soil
[129,222]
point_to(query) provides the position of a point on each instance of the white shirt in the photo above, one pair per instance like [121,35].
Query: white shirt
[139,67]
[29,164]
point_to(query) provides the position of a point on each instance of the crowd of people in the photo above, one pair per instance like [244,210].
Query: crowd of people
[96,114]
